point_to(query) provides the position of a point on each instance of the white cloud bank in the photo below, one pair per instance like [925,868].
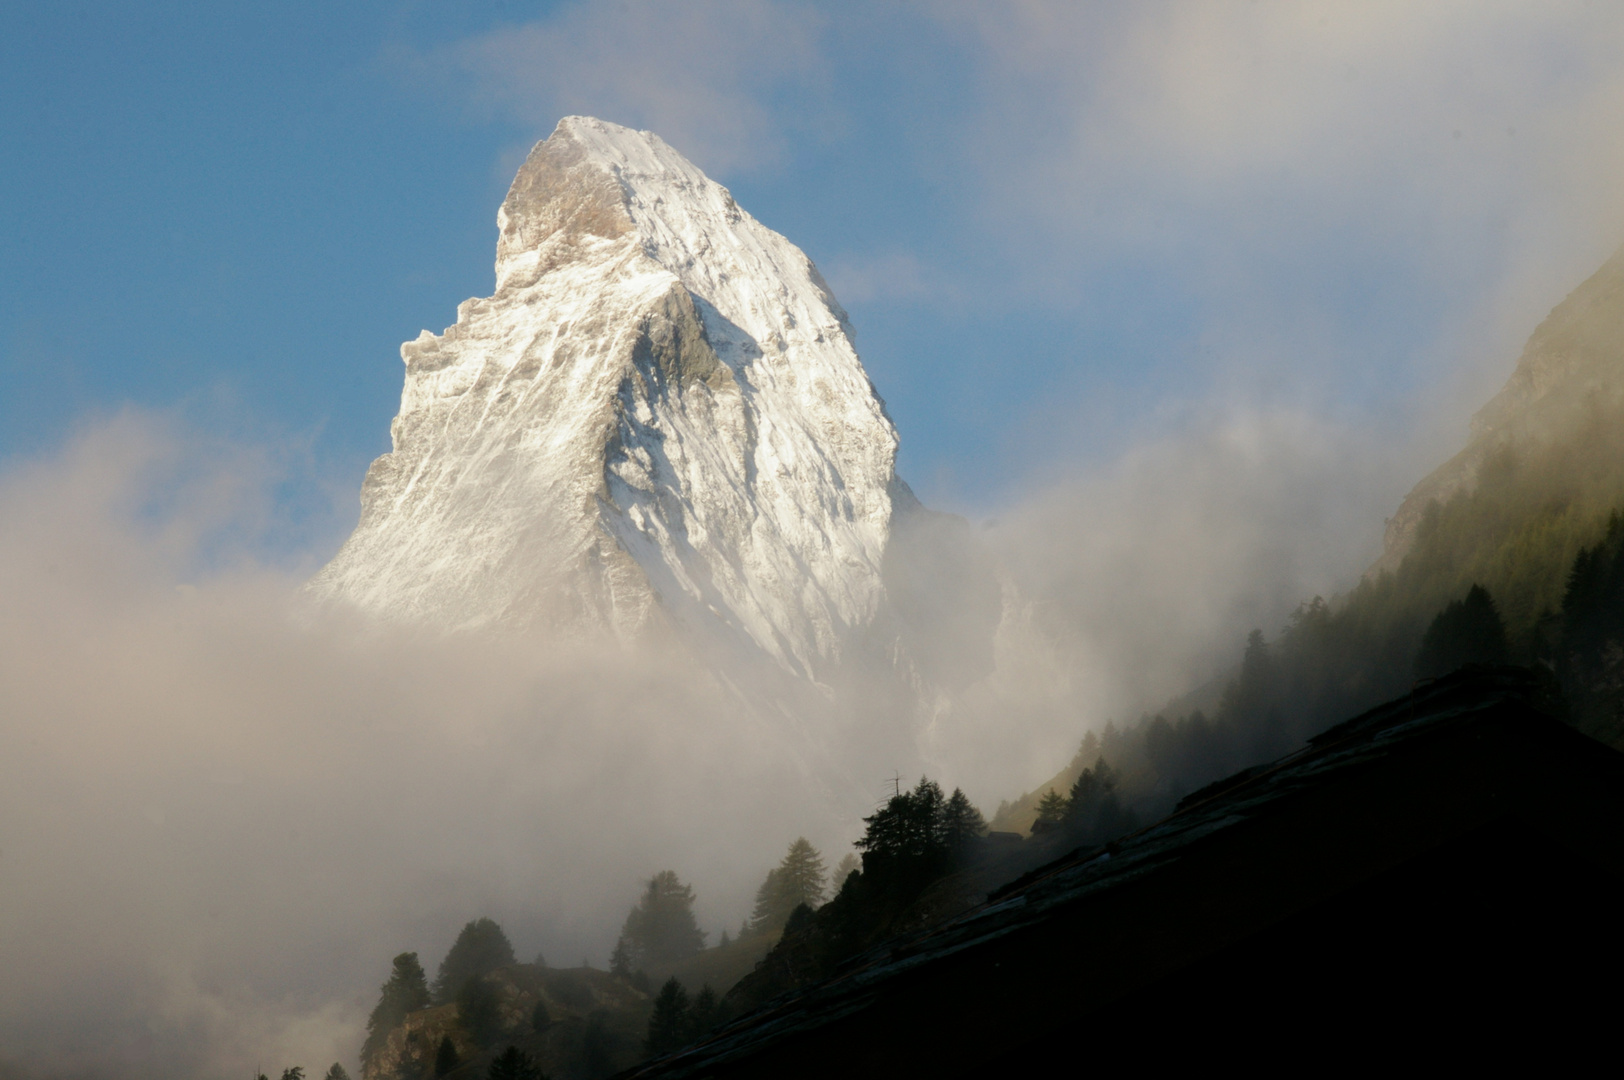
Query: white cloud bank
[1308,166]
[714,77]
[220,819]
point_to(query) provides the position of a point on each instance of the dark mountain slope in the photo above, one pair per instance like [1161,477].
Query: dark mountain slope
[1540,478]
[1437,874]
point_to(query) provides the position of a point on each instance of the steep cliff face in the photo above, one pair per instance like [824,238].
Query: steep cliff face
[657,418]
[1571,372]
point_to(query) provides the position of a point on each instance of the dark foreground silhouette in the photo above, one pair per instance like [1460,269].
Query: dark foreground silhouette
[1436,879]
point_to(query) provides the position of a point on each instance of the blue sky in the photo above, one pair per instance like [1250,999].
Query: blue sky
[1061,229]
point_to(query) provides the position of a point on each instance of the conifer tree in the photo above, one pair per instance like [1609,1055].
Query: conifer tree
[406,991]
[1253,693]
[661,928]
[962,822]
[480,949]
[1468,631]
[802,873]
[295,1073]
[705,1012]
[540,1018]
[1091,787]
[1094,813]
[905,842]
[479,1009]
[909,825]
[1596,582]
[446,1058]
[513,1064]
[620,961]
[1593,627]
[668,1025]
[597,1044]
[337,1072]
[766,916]
[1052,807]
[795,881]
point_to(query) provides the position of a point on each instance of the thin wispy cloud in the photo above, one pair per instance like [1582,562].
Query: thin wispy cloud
[1299,154]
[714,78]
[891,276]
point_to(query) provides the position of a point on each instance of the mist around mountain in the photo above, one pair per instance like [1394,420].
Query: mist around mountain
[664,986]
[254,809]
[656,425]
[638,580]
[1506,553]
[1515,555]
[925,855]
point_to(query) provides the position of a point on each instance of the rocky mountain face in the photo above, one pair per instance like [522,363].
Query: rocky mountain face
[1570,371]
[658,419]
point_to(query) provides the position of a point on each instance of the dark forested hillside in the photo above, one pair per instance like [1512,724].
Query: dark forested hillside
[1523,568]
[1502,554]
[926,857]
[1590,655]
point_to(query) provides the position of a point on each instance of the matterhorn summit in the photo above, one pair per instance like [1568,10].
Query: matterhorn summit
[658,418]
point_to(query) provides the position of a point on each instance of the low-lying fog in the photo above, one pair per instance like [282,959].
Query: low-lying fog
[222,815]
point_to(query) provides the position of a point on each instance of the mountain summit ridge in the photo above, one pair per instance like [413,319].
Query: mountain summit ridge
[657,415]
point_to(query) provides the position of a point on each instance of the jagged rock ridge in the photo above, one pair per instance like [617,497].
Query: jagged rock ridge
[658,415]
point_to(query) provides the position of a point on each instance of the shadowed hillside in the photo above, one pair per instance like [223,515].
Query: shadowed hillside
[1510,516]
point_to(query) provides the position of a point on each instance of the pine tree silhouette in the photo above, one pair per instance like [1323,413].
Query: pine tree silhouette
[961,821]
[513,1064]
[446,1058]
[1468,631]
[905,842]
[669,1024]
[1052,807]
[479,1010]
[798,880]
[480,949]
[705,1012]
[406,991]
[661,928]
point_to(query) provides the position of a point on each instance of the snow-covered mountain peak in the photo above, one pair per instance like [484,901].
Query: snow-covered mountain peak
[594,182]
[658,416]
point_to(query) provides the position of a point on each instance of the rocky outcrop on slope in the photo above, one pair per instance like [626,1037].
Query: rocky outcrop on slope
[575,1023]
